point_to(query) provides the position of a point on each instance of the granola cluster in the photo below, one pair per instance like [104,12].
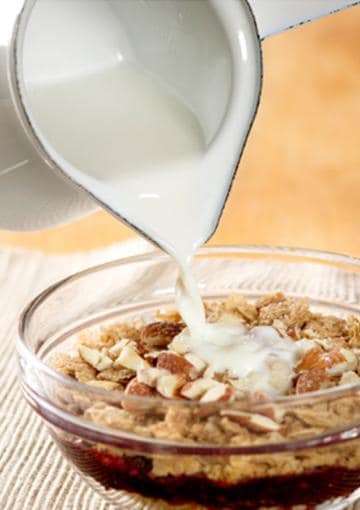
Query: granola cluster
[146,360]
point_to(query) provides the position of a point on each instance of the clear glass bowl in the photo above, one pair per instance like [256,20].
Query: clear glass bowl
[316,466]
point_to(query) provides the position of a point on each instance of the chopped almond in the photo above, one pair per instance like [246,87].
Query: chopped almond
[273,411]
[196,389]
[349,378]
[150,376]
[130,359]
[168,385]
[219,393]
[137,389]
[176,364]
[160,334]
[116,349]
[253,422]
[105,385]
[198,364]
[350,363]
[317,359]
[118,375]
[95,358]
[311,381]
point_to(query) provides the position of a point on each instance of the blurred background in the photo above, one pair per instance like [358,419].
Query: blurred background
[299,180]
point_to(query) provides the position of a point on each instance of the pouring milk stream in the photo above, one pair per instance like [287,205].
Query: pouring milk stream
[147,107]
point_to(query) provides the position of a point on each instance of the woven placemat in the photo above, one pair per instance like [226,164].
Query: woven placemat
[33,474]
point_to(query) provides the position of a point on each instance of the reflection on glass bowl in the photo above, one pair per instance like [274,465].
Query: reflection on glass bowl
[145,461]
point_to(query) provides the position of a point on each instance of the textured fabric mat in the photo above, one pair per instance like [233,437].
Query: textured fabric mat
[33,474]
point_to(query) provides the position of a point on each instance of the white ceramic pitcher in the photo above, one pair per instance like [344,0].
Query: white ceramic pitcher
[55,39]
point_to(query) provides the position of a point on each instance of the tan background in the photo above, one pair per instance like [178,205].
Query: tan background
[299,180]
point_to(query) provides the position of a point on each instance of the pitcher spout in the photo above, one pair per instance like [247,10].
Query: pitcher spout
[275,16]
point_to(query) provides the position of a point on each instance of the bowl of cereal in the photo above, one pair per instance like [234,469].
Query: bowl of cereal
[149,423]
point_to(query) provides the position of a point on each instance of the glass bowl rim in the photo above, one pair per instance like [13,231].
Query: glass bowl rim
[307,254]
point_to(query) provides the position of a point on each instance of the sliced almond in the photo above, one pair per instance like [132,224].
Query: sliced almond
[150,376]
[196,389]
[219,393]
[130,359]
[253,422]
[95,358]
[168,385]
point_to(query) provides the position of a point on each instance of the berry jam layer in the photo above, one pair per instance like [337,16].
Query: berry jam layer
[133,474]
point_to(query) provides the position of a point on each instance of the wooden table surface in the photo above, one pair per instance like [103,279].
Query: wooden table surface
[299,179]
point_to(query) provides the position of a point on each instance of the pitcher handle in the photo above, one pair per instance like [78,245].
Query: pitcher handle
[274,16]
